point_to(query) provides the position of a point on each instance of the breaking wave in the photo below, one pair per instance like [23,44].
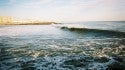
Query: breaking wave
[98,27]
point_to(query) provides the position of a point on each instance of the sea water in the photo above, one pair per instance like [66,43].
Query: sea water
[65,46]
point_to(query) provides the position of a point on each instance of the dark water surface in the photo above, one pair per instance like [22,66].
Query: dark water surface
[63,46]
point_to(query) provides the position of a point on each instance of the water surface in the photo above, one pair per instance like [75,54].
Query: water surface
[31,47]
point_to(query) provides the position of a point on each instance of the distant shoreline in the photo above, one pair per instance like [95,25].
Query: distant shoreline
[42,23]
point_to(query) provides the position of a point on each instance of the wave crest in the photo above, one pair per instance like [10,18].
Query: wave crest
[89,27]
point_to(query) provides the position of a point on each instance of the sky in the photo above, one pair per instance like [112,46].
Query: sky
[64,10]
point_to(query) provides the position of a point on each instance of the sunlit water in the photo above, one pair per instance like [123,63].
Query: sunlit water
[49,47]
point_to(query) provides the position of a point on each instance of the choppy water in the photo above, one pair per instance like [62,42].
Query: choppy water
[50,47]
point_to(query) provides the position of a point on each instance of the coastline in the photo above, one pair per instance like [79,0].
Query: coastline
[39,23]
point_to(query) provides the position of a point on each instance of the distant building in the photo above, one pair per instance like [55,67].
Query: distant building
[6,20]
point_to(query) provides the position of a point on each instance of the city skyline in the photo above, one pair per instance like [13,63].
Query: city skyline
[7,20]
[64,10]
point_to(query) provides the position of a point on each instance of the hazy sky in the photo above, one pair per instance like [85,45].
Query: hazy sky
[64,10]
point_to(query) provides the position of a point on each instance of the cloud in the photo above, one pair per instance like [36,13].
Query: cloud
[35,3]
[70,9]
[12,1]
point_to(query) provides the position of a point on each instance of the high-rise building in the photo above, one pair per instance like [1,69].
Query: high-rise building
[6,20]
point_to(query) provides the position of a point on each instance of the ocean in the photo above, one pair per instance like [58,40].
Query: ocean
[98,45]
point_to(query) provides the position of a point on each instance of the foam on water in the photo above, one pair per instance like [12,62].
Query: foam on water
[56,57]
[35,48]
